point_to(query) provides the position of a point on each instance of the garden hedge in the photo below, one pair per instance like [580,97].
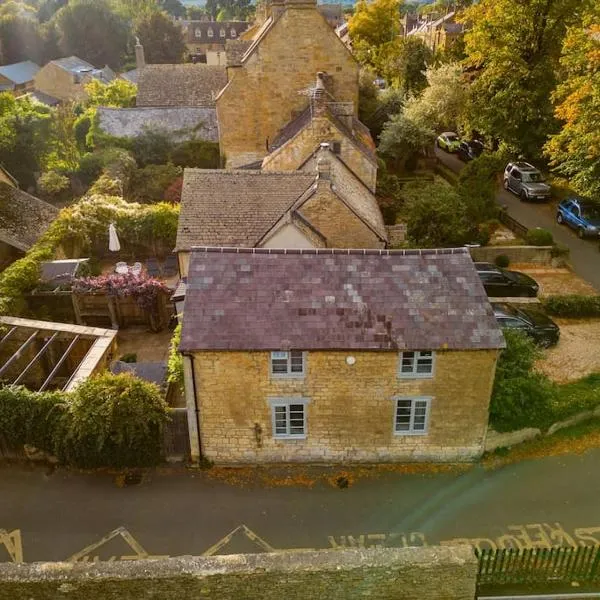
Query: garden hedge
[572,306]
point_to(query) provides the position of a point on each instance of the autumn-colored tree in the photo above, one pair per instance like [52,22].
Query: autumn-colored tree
[513,50]
[575,150]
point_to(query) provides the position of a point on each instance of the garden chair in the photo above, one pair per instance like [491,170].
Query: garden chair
[137,268]
[121,268]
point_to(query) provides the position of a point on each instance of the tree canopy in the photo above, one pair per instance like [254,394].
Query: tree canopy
[162,39]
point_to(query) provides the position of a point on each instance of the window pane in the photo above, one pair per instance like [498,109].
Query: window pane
[279,366]
[296,419]
[403,410]
[424,365]
[420,416]
[280,420]
[297,362]
[408,359]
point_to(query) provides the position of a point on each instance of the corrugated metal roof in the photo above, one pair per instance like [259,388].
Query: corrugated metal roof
[20,72]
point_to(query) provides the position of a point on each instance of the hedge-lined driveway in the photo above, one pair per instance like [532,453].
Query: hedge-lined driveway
[585,255]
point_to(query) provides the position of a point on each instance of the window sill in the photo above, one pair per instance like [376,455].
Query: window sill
[415,376]
[409,433]
[289,437]
[292,376]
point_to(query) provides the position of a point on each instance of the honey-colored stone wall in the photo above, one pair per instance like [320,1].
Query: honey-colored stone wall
[351,409]
[264,94]
[294,153]
[57,82]
[340,226]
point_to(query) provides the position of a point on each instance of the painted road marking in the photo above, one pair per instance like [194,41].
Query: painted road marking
[253,537]
[139,552]
[13,544]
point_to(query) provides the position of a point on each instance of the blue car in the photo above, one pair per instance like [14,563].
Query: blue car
[581,216]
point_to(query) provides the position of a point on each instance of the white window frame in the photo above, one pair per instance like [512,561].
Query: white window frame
[288,374]
[233,33]
[198,33]
[413,400]
[413,374]
[222,33]
[210,32]
[286,402]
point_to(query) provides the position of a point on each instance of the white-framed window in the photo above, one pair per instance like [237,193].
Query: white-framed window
[288,364]
[411,415]
[288,417]
[198,32]
[210,32]
[233,33]
[222,33]
[416,364]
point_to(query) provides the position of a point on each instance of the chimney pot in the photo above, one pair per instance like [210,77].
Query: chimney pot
[140,58]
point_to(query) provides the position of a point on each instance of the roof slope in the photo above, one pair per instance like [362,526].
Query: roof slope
[180,85]
[260,299]
[235,208]
[352,190]
[23,218]
[183,122]
[20,72]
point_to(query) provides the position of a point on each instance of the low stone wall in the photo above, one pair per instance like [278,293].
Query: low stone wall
[536,255]
[432,573]
[396,234]
[495,440]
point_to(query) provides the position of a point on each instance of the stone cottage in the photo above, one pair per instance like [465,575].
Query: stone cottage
[323,205]
[325,355]
[272,83]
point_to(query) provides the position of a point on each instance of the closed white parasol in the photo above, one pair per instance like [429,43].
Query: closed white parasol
[113,239]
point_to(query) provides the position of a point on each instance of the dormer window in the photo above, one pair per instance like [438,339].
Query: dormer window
[222,33]
[211,32]
[198,32]
[233,33]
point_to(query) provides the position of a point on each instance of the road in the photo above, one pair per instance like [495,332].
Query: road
[585,256]
[65,515]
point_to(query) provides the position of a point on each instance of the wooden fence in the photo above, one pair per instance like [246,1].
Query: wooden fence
[539,565]
[176,435]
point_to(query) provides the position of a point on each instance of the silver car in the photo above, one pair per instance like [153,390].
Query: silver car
[526,181]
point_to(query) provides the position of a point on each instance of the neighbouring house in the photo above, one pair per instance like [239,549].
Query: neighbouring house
[325,355]
[180,85]
[43,355]
[330,122]
[206,40]
[23,220]
[438,34]
[343,32]
[323,205]
[182,123]
[66,78]
[18,77]
[275,78]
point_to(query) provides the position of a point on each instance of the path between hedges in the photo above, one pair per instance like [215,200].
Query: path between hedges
[64,515]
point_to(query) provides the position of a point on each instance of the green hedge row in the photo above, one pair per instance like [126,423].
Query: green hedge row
[572,306]
[108,421]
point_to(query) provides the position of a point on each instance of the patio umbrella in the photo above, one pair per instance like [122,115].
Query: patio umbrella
[113,239]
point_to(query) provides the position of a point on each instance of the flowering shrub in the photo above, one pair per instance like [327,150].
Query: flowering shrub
[144,289]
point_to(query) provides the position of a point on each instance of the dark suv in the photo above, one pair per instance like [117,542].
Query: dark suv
[532,321]
[503,283]
[526,181]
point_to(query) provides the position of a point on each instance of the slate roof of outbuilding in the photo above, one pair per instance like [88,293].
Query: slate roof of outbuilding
[328,299]
[235,207]
[20,72]
[182,122]
[23,218]
[180,85]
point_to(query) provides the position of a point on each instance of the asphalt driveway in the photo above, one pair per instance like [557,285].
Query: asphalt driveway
[585,255]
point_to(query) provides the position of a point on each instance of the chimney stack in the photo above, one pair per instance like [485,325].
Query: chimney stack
[323,166]
[140,59]
[277,8]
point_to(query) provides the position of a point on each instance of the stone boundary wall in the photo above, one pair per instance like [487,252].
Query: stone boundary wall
[423,573]
[396,234]
[536,255]
[496,440]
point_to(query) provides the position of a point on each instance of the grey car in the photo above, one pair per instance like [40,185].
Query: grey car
[526,181]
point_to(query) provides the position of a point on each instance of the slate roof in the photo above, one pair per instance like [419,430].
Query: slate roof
[131,76]
[180,85]
[352,190]
[80,67]
[179,121]
[23,218]
[235,207]
[42,98]
[328,299]
[20,72]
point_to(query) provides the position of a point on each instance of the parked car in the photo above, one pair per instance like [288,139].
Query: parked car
[526,181]
[448,141]
[503,283]
[581,216]
[470,150]
[532,321]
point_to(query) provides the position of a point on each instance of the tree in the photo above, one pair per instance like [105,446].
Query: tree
[173,7]
[402,64]
[20,39]
[513,48]
[48,8]
[162,39]
[119,93]
[63,155]
[441,105]
[436,216]
[195,13]
[402,140]
[375,107]
[575,150]
[91,30]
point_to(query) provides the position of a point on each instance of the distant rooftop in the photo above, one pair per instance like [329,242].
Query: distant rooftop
[21,72]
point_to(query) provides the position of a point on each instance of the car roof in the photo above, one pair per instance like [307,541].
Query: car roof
[523,166]
[450,133]
[486,267]
[503,309]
